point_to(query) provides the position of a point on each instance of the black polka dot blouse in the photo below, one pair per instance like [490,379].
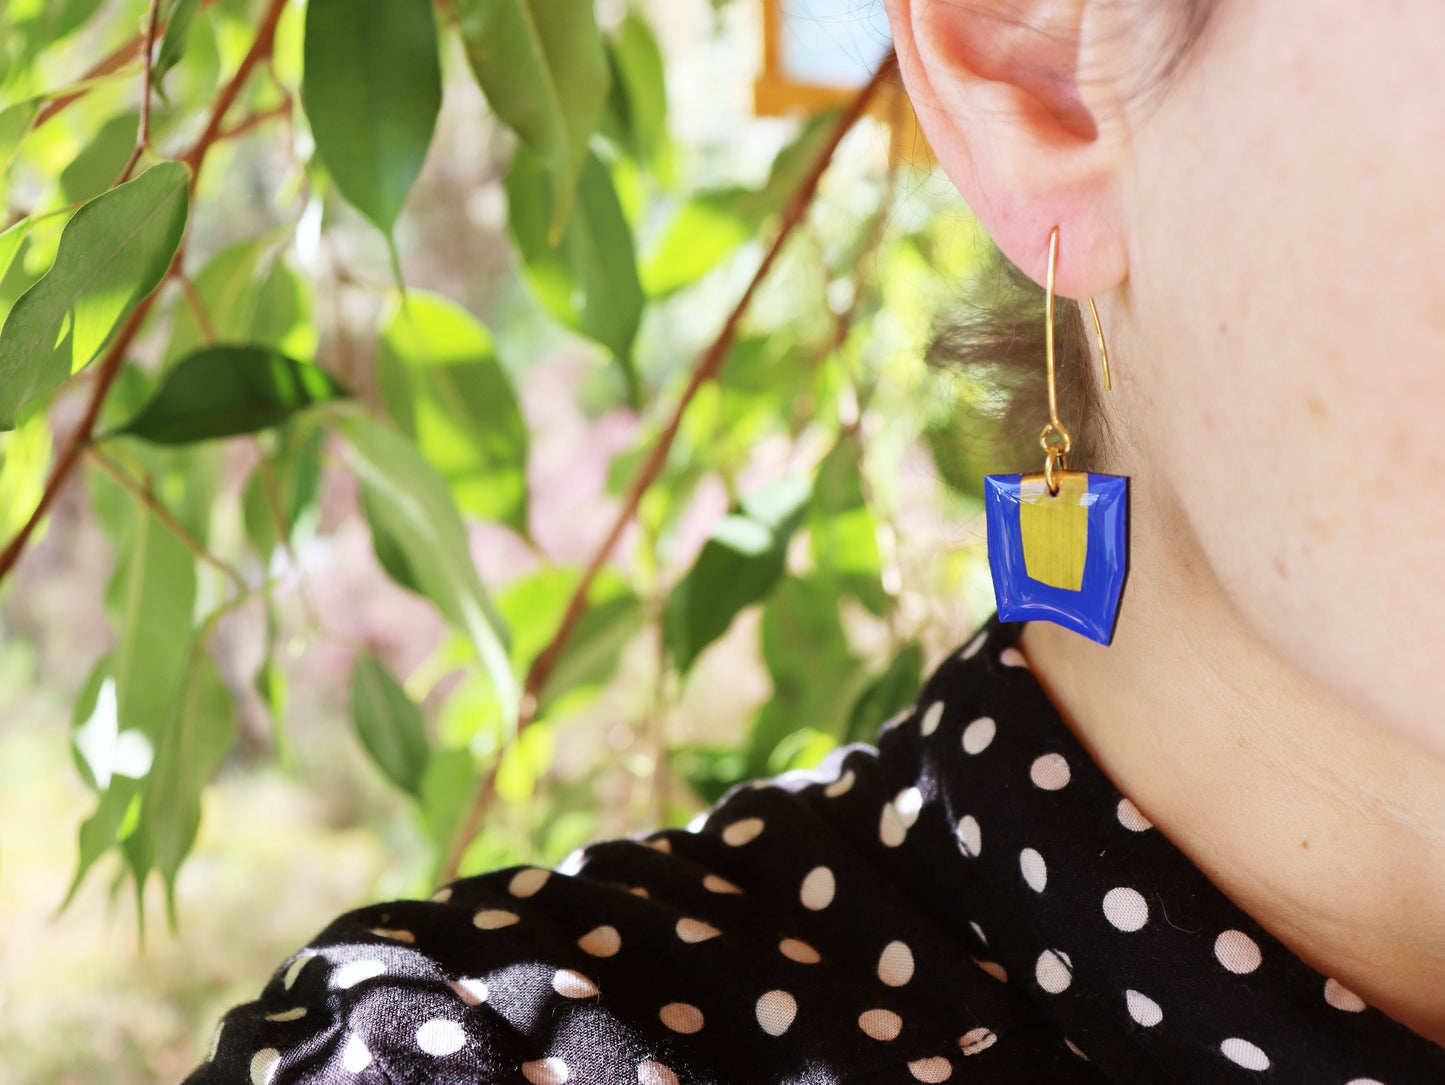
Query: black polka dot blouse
[971,902]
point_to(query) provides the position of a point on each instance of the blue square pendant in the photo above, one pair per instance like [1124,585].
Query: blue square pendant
[1059,558]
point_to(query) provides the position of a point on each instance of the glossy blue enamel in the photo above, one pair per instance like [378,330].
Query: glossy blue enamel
[1092,609]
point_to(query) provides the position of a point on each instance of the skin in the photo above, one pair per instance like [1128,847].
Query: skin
[1262,234]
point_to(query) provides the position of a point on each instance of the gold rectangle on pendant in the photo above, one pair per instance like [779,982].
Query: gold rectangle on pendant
[1055,528]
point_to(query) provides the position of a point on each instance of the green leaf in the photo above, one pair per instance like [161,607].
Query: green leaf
[637,100]
[896,688]
[101,159]
[15,122]
[372,89]
[420,516]
[173,41]
[114,252]
[151,599]
[200,730]
[444,387]
[741,562]
[284,485]
[525,761]
[225,391]
[389,724]
[543,69]
[24,458]
[802,638]
[589,280]
[700,234]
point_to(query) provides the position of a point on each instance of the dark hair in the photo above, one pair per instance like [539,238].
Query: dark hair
[994,340]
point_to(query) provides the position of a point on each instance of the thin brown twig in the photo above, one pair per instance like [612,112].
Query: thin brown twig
[197,306]
[707,368]
[255,120]
[143,132]
[110,366]
[143,492]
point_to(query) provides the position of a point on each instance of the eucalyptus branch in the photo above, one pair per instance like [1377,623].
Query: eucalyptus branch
[143,132]
[110,366]
[143,492]
[706,370]
[113,62]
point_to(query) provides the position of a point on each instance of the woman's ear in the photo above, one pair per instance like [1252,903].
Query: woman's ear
[1030,143]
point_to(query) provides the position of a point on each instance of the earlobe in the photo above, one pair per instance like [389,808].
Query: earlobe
[996,87]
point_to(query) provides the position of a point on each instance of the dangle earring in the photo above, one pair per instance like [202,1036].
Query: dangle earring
[1058,540]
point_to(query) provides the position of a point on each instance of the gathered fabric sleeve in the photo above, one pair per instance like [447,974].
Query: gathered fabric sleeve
[779,942]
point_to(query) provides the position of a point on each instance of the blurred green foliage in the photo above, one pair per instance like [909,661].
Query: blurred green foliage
[243,404]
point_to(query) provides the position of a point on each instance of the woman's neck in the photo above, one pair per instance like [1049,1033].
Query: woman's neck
[1324,827]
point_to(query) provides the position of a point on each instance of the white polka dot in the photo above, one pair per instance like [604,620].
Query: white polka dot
[526,883]
[294,969]
[288,1015]
[895,964]
[698,822]
[1075,1048]
[1238,952]
[1012,657]
[1054,971]
[978,931]
[1131,819]
[818,888]
[681,1017]
[840,786]
[263,1065]
[801,952]
[571,866]
[1244,1053]
[908,803]
[1363,1081]
[1143,1009]
[641,891]
[880,1024]
[601,941]
[970,839]
[440,1037]
[215,1041]
[494,919]
[931,719]
[713,884]
[891,830]
[1035,870]
[742,832]
[395,935]
[1126,908]
[1050,772]
[442,895]
[975,1040]
[355,1056]
[659,844]
[931,1071]
[994,969]
[570,984]
[551,1071]
[973,646]
[775,1012]
[472,991]
[654,1073]
[978,734]
[354,972]
[695,930]
[1342,998]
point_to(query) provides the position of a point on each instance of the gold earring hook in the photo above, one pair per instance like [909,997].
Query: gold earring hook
[1055,451]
